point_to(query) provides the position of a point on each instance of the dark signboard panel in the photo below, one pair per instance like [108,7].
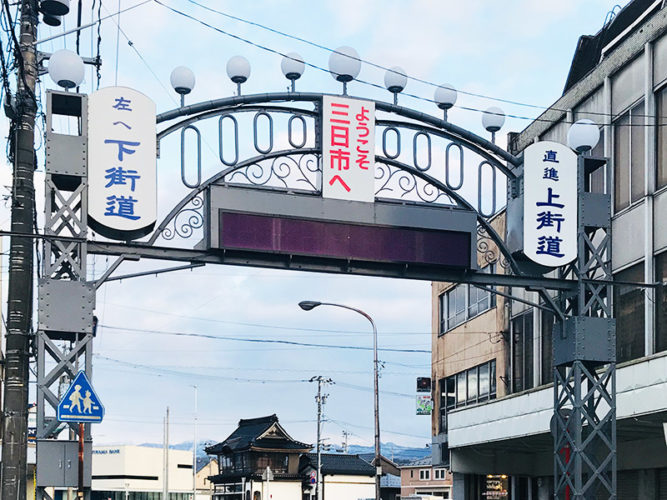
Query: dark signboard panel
[268,233]
[272,228]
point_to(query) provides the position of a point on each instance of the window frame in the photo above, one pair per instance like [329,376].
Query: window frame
[424,474]
[440,474]
[465,400]
[447,320]
[627,114]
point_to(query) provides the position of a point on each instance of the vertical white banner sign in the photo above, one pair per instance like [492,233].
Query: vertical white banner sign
[550,204]
[348,149]
[122,182]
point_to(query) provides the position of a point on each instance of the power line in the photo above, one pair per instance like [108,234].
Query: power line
[263,341]
[365,61]
[375,85]
[141,57]
[295,328]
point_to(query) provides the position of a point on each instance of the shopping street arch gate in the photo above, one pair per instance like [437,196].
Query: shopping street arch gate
[249,191]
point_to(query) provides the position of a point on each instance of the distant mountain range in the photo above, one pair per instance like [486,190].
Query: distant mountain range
[397,453]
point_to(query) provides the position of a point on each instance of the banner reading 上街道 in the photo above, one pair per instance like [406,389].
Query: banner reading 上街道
[550,204]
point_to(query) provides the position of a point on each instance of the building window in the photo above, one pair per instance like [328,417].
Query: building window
[522,370]
[629,314]
[661,137]
[661,303]
[467,387]
[424,474]
[629,157]
[464,302]
[439,473]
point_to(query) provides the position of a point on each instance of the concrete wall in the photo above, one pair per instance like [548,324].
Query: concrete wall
[471,343]
[210,469]
[348,487]
[127,462]
[641,388]
[277,490]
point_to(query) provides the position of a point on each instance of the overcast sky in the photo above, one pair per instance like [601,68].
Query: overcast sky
[517,50]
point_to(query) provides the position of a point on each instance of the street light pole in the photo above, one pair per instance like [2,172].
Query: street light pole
[308,305]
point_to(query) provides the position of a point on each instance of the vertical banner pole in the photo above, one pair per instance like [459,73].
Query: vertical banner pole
[81,431]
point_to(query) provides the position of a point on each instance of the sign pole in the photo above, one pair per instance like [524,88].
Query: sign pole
[81,431]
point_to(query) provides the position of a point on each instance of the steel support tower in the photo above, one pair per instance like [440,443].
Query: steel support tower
[584,421]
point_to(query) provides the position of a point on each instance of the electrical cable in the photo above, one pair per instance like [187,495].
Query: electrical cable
[18,54]
[292,328]
[141,57]
[375,85]
[265,341]
[375,65]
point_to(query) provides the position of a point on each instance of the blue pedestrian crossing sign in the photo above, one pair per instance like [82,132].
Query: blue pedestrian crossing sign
[80,403]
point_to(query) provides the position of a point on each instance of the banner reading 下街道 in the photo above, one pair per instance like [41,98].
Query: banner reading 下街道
[122,182]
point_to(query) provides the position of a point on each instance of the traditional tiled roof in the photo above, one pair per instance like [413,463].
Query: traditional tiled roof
[336,463]
[257,433]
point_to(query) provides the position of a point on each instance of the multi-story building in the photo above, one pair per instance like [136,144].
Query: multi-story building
[492,357]
[419,478]
[129,472]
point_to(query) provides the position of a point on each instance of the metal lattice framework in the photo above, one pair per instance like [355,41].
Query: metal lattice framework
[422,160]
[585,385]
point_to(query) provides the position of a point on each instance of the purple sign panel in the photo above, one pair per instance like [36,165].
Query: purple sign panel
[317,238]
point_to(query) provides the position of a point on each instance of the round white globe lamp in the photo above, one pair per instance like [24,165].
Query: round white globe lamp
[183,81]
[66,68]
[238,70]
[583,135]
[395,80]
[292,67]
[344,65]
[493,120]
[445,97]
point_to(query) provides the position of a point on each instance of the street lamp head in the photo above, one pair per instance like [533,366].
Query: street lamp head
[583,135]
[344,64]
[292,66]
[493,119]
[66,68]
[238,69]
[54,7]
[445,96]
[395,79]
[307,305]
[182,80]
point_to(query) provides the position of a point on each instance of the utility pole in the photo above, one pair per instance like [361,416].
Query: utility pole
[20,288]
[321,400]
[165,453]
[345,436]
